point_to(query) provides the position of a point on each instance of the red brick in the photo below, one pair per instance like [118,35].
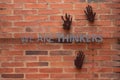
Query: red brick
[12,75]
[9,41]
[117,22]
[108,17]
[36,18]
[115,0]
[26,58]
[109,75]
[36,53]
[89,52]
[23,24]
[101,69]
[116,46]
[5,58]
[50,58]
[113,5]
[86,29]
[36,64]
[55,18]
[101,58]
[48,12]
[12,64]
[68,58]
[80,17]
[62,76]
[24,1]
[84,76]
[25,12]
[108,52]
[32,76]
[79,23]
[26,70]
[71,1]
[12,53]
[54,30]
[84,5]
[49,47]
[38,6]
[61,6]
[5,35]
[107,11]
[109,30]
[115,57]
[5,1]
[101,23]
[108,64]
[5,12]
[6,70]
[10,6]
[51,70]
[5,24]
[12,30]
[50,24]
[74,70]
[49,1]
[99,46]
[60,53]
[74,47]
[74,12]
[5,46]
[116,70]
[11,18]
[21,35]
[61,64]
[117,12]
[89,64]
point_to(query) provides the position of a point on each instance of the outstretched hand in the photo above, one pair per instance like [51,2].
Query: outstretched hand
[90,14]
[67,21]
[79,60]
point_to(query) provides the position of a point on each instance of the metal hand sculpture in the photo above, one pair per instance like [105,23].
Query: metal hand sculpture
[79,60]
[67,22]
[90,14]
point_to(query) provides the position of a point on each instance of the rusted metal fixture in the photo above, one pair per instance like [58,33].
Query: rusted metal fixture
[90,14]
[67,22]
[78,62]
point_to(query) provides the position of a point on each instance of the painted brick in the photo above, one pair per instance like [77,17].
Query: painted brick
[36,52]
[12,76]
[36,64]
[61,53]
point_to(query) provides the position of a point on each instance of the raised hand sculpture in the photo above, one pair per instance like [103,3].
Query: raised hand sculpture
[79,60]
[90,14]
[67,22]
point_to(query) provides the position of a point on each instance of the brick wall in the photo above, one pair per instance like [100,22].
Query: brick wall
[55,61]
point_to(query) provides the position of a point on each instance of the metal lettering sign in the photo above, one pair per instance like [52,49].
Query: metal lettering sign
[64,38]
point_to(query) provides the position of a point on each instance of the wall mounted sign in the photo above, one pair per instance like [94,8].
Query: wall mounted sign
[60,37]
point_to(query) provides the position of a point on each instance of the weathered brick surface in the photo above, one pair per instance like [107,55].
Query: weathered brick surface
[55,61]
